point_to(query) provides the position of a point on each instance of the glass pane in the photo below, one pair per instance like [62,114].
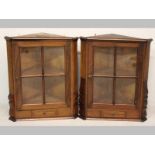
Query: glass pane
[54,89]
[126,61]
[53,60]
[103,90]
[103,60]
[30,60]
[125,91]
[32,90]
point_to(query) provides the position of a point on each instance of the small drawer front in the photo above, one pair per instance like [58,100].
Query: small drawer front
[113,114]
[43,113]
[66,112]
[94,113]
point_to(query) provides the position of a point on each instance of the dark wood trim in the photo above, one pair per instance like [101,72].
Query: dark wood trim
[74,79]
[82,93]
[13,119]
[42,38]
[117,40]
[12,107]
[144,113]
[145,77]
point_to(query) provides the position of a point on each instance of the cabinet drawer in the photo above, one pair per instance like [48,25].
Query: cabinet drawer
[44,113]
[113,114]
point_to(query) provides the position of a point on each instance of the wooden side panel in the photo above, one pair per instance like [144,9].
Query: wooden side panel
[144,87]
[11,80]
[82,97]
[74,79]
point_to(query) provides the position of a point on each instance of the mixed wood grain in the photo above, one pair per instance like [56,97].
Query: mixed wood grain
[42,76]
[114,72]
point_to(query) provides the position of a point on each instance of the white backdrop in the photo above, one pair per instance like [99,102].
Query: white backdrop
[75,32]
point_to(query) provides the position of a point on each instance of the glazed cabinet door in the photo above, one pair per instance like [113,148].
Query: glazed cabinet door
[113,78]
[42,73]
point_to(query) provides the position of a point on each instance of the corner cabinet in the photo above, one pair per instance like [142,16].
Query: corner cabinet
[42,76]
[114,72]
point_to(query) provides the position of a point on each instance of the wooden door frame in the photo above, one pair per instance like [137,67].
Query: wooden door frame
[89,73]
[17,83]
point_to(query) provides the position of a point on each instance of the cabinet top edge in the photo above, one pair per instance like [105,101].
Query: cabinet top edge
[115,37]
[127,40]
[18,39]
[40,36]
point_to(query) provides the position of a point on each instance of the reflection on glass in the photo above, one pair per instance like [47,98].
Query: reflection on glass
[126,61]
[30,60]
[125,91]
[103,60]
[103,90]
[53,60]
[54,89]
[32,90]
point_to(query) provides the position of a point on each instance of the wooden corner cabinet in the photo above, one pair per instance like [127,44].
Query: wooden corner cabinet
[42,76]
[114,72]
